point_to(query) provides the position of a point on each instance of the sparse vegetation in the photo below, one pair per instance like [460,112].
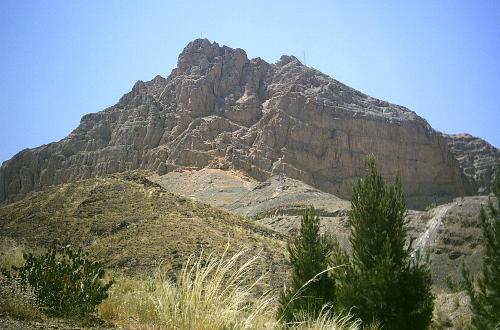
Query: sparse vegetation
[312,289]
[485,292]
[131,227]
[64,281]
[210,293]
[18,301]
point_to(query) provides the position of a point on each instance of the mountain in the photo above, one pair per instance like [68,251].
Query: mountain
[478,159]
[219,109]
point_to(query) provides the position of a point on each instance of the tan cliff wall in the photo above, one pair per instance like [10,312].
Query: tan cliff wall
[219,109]
[478,159]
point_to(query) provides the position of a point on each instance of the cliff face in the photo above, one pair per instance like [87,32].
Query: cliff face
[478,160]
[219,109]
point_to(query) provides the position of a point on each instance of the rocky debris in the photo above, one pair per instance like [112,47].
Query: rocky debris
[452,235]
[219,109]
[434,224]
[233,191]
[452,311]
[478,160]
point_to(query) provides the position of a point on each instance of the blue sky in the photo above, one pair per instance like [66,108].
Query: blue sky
[62,59]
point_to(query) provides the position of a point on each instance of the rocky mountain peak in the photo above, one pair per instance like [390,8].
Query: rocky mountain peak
[201,54]
[288,59]
[218,109]
[478,159]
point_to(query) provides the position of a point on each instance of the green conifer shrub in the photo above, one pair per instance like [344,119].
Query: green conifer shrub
[382,281]
[485,296]
[312,290]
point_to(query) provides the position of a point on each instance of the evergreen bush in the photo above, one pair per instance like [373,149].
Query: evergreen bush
[312,289]
[381,281]
[485,296]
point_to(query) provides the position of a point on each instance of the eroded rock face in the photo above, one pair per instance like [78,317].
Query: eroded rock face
[219,109]
[478,160]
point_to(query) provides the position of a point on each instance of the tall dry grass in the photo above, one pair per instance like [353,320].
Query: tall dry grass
[11,255]
[16,300]
[326,321]
[209,293]
[213,294]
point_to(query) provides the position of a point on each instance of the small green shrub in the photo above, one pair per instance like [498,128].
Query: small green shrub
[454,286]
[64,280]
[312,290]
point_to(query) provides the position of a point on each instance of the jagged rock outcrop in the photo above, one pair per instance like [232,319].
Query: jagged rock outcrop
[219,109]
[478,160]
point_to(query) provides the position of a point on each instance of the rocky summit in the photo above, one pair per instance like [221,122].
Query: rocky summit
[219,109]
[478,159]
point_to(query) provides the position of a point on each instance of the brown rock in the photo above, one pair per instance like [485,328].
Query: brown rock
[218,109]
[478,160]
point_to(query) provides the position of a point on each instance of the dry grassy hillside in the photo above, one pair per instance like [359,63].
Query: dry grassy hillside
[133,226]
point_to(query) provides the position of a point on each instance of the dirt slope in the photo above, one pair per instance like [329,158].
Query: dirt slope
[133,225]
[246,196]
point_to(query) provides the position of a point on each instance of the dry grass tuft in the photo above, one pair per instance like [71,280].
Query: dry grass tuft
[209,293]
[130,302]
[11,254]
[326,321]
[17,301]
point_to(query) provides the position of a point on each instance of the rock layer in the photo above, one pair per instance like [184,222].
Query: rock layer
[478,160]
[219,109]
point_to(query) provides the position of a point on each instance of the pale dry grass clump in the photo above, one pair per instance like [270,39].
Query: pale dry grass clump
[212,294]
[16,300]
[326,321]
[209,293]
[130,302]
[10,255]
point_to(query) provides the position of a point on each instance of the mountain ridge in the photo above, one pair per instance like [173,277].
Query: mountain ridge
[219,109]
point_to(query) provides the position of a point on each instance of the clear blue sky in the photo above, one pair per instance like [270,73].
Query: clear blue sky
[62,59]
